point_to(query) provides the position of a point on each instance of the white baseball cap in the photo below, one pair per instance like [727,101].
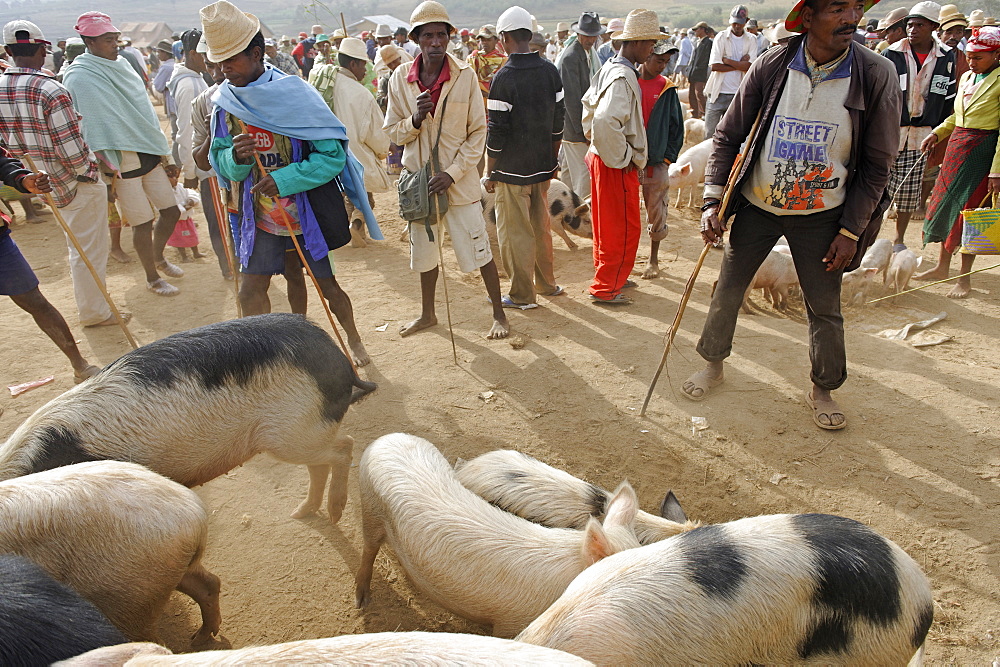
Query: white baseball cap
[35,35]
[926,10]
[515,18]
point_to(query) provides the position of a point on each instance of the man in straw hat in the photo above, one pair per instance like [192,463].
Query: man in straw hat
[578,63]
[698,71]
[37,118]
[951,31]
[733,49]
[120,125]
[891,28]
[926,73]
[613,123]
[419,116]
[819,116]
[303,150]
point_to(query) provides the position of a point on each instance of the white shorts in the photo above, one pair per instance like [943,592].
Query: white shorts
[140,198]
[468,238]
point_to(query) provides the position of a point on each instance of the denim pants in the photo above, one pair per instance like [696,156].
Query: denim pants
[714,112]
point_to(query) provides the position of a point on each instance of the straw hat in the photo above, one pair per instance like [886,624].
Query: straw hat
[977,18]
[426,12]
[338,34]
[950,16]
[640,25]
[562,26]
[389,52]
[989,21]
[228,31]
[382,30]
[892,18]
[354,48]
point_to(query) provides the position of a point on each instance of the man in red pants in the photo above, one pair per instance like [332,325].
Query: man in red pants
[612,121]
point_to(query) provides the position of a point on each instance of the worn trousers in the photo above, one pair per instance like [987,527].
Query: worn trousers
[574,157]
[617,226]
[696,98]
[525,239]
[212,220]
[655,190]
[87,217]
[754,233]
[715,111]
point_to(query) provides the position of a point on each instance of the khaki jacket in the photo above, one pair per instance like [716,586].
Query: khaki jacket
[463,136]
[356,108]
[612,117]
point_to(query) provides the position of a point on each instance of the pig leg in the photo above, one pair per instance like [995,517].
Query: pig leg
[318,475]
[203,587]
[338,478]
[373,532]
[558,229]
[328,450]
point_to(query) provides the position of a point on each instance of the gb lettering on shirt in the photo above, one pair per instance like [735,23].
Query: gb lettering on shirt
[270,157]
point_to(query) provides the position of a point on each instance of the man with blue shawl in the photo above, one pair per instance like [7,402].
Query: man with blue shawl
[260,112]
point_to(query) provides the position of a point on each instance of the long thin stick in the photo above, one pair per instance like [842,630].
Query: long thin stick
[444,281]
[344,24]
[86,260]
[302,257]
[936,282]
[222,219]
[672,331]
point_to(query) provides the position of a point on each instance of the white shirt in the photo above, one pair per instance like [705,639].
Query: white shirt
[739,46]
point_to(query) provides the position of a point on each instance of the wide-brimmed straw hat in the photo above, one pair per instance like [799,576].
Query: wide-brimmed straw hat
[390,52]
[950,17]
[892,18]
[793,22]
[382,30]
[426,12]
[640,25]
[227,30]
[354,48]
[977,18]
[339,34]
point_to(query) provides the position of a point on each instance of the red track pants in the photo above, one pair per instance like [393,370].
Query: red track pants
[617,227]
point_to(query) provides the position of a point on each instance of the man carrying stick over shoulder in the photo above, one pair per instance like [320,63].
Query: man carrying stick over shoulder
[823,112]
[264,117]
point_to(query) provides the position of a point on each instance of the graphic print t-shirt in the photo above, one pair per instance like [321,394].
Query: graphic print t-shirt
[270,216]
[803,164]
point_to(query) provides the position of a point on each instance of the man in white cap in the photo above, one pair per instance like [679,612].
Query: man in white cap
[613,123]
[120,125]
[891,28]
[37,118]
[576,68]
[419,119]
[926,71]
[733,49]
[818,118]
[282,163]
[522,144]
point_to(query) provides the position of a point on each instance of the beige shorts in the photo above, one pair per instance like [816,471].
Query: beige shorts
[468,238]
[140,198]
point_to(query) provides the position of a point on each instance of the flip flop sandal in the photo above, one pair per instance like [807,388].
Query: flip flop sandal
[507,302]
[704,381]
[823,410]
[162,288]
[170,270]
[619,300]
[558,292]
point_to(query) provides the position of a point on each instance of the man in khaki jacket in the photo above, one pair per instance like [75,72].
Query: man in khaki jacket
[612,122]
[438,90]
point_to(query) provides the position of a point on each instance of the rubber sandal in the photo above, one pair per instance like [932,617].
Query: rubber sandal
[630,283]
[618,300]
[823,410]
[170,270]
[162,288]
[704,381]
[558,291]
[507,302]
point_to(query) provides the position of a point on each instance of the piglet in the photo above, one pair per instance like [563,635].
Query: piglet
[878,257]
[775,277]
[904,263]
[694,131]
[689,170]
[470,557]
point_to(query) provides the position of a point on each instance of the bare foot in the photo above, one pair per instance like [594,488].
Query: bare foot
[499,330]
[698,385]
[652,271]
[416,325]
[937,273]
[111,321]
[361,357]
[961,290]
[120,256]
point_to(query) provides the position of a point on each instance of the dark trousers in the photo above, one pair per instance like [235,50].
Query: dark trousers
[214,233]
[753,235]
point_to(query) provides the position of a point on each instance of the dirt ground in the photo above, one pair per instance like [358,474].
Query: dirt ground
[919,461]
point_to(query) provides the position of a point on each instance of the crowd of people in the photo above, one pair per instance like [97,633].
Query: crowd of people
[505,109]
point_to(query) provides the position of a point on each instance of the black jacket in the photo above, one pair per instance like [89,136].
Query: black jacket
[941,97]
[699,61]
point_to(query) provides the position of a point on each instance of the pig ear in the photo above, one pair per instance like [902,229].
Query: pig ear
[670,509]
[596,545]
[622,507]
[685,168]
[582,209]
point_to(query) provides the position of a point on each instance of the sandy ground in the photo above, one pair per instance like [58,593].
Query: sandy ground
[919,460]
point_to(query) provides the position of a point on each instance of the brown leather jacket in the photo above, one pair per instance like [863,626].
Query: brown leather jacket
[873,102]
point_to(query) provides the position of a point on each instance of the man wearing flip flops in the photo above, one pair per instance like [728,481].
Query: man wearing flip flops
[820,118]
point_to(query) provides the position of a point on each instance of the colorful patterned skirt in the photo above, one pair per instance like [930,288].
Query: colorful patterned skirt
[960,185]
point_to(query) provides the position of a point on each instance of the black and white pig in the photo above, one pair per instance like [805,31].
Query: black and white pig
[779,589]
[567,212]
[194,405]
[42,620]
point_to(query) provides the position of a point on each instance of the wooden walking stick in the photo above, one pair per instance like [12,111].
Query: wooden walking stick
[444,281]
[222,218]
[86,260]
[302,257]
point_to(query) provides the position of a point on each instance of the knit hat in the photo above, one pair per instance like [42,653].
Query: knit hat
[925,10]
[94,24]
[426,12]
[640,25]
[892,18]
[986,38]
[950,17]
[228,31]
[977,18]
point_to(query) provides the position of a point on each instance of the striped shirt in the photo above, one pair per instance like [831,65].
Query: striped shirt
[37,117]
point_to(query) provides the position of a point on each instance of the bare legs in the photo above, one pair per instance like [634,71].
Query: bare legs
[51,322]
[428,284]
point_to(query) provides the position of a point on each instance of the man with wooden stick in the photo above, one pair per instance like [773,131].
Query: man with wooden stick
[266,120]
[820,116]
[37,118]
[439,90]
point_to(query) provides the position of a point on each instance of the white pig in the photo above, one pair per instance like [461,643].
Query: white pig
[878,256]
[775,276]
[194,405]
[694,131]
[523,485]
[118,534]
[381,648]
[689,170]
[780,589]
[901,269]
[470,557]
[854,285]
